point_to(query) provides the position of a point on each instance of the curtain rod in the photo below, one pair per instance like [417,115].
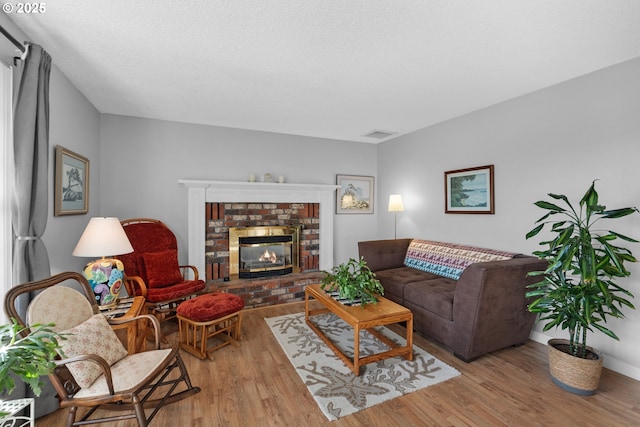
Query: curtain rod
[12,39]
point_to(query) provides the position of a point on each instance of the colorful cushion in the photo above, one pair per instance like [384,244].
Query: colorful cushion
[448,259]
[162,268]
[210,306]
[93,336]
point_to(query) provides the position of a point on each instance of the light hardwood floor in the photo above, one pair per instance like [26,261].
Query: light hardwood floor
[255,385]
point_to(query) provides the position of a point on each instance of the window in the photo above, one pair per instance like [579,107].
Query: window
[6,177]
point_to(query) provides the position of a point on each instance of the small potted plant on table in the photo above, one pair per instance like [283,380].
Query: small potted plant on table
[353,283]
[578,290]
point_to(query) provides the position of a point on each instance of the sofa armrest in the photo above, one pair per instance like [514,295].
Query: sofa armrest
[384,254]
[490,308]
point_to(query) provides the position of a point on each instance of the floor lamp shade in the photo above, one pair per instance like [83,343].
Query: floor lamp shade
[104,237]
[395,206]
[395,203]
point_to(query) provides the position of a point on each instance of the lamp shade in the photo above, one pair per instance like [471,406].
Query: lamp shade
[395,203]
[103,237]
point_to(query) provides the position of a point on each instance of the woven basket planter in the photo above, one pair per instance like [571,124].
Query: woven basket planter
[574,374]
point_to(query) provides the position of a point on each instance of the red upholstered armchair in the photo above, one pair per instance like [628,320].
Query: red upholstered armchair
[152,269]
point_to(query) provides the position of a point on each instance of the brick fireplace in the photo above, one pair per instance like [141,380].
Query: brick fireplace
[220,217]
[214,206]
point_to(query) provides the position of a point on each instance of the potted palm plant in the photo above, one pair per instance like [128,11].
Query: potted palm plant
[353,282]
[578,290]
[27,356]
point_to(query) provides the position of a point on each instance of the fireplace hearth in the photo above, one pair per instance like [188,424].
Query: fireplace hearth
[263,251]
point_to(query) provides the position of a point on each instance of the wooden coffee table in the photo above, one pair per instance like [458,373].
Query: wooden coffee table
[366,317]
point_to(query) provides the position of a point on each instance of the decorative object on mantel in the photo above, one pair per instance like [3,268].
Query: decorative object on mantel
[281,179]
[104,237]
[355,195]
[469,191]
[71,194]
[338,391]
[354,282]
[252,177]
[267,177]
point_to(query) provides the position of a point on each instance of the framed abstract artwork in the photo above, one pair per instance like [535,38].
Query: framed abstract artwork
[355,195]
[469,191]
[71,183]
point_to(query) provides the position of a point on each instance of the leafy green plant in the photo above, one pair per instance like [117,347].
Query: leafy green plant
[578,290]
[29,357]
[353,280]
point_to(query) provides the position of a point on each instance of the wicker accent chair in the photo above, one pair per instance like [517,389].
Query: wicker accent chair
[97,372]
[152,269]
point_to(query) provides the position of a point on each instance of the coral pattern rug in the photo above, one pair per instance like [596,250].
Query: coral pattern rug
[334,387]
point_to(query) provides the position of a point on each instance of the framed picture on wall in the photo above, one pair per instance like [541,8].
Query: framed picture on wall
[355,195]
[71,185]
[469,191]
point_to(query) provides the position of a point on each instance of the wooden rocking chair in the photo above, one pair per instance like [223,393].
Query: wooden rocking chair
[97,371]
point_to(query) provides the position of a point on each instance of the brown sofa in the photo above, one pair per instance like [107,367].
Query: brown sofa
[483,311]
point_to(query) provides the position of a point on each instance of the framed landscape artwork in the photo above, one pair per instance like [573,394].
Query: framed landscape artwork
[355,195]
[71,183]
[469,191]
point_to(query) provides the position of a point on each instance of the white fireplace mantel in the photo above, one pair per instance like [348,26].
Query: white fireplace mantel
[202,191]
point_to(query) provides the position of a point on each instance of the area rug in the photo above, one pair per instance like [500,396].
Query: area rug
[334,387]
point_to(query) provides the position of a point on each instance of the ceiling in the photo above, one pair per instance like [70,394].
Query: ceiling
[326,68]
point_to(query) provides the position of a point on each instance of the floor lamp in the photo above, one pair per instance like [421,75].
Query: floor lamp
[395,206]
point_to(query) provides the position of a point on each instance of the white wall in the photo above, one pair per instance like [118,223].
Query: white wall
[555,140]
[75,125]
[143,159]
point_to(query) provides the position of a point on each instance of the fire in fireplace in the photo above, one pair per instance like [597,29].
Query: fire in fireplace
[263,251]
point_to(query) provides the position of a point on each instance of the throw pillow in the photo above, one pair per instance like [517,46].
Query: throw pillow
[93,336]
[162,268]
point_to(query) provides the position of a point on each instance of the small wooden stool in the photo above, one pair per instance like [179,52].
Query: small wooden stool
[207,316]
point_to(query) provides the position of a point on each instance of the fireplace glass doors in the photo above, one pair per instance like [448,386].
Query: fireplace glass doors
[263,251]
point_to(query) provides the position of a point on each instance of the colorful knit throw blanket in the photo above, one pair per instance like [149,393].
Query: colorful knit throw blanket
[448,259]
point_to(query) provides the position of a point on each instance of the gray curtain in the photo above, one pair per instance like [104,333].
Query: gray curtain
[30,205]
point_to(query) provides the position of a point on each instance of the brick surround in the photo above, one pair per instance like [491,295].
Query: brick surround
[221,216]
[269,290]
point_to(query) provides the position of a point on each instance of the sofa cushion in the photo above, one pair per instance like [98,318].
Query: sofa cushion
[384,254]
[448,259]
[394,279]
[435,295]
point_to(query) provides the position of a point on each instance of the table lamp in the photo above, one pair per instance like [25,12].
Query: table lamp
[104,237]
[395,206]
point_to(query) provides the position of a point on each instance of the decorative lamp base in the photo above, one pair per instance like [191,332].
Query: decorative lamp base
[106,278]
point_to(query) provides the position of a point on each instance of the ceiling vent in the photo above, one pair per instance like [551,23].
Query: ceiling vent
[379,134]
